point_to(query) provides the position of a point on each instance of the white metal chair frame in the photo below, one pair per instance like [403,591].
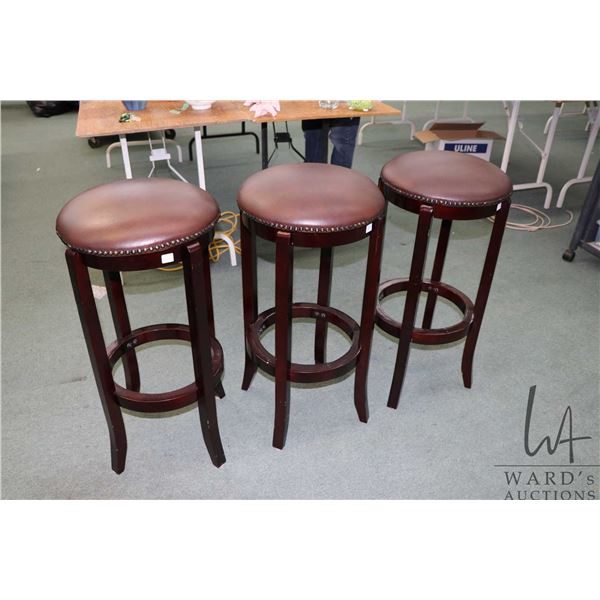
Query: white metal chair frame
[592,126]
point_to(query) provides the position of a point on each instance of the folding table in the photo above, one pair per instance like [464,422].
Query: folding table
[98,118]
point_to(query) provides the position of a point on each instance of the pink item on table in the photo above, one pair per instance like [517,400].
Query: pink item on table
[261,108]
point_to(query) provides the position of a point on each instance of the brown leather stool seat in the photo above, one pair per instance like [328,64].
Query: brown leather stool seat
[318,206]
[136,216]
[445,179]
[311,198]
[135,225]
[448,186]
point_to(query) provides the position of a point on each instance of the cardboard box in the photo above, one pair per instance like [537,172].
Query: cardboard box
[466,138]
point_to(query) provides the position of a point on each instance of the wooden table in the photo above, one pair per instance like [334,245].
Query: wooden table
[101,118]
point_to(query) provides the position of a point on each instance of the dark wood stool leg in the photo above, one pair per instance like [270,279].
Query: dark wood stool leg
[118,309]
[367,320]
[210,312]
[249,290]
[92,332]
[264,144]
[220,391]
[483,292]
[323,295]
[284,271]
[436,273]
[411,304]
[193,258]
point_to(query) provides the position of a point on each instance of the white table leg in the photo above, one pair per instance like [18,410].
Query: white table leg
[513,117]
[199,157]
[549,141]
[359,137]
[125,153]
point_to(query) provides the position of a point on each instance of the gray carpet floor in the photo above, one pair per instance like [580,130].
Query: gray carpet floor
[444,441]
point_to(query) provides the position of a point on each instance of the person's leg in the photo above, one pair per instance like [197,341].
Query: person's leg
[343,138]
[312,141]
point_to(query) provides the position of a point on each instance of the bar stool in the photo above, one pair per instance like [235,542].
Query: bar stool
[447,186]
[143,224]
[315,206]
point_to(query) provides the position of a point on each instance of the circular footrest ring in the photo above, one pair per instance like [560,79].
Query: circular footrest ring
[162,401]
[307,373]
[443,335]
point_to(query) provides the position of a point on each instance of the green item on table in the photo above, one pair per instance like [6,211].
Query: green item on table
[178,111]
[128,117]
[364,105]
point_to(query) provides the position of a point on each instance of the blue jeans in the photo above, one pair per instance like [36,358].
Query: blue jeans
[342,133]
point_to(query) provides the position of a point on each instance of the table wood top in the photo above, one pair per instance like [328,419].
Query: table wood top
[101,117]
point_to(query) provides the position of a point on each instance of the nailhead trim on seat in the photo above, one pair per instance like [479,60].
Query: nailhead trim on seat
[311,229]
[438,201]
[145,250]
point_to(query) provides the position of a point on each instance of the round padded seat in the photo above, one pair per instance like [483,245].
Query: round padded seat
[136,216]
[311,197]
[447,178]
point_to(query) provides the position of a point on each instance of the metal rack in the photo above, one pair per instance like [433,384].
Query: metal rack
[586,228]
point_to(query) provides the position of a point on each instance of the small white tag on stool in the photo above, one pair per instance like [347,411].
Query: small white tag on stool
[499,206]
[167,258]
[369,227]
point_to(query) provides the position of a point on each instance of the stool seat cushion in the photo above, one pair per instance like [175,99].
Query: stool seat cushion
[136,216]
[311,197]
[449,178]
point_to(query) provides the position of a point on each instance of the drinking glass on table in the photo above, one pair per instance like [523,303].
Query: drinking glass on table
[329,104]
